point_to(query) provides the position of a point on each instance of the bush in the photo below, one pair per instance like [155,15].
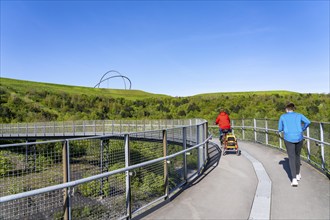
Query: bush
[5,163]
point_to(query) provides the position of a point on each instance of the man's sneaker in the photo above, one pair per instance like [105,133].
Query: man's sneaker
[294,182]
[298,177]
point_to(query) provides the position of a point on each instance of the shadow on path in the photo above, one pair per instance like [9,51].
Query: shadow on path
[214,153]
[286,167]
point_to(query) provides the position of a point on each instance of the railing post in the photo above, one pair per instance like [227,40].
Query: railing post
[101,165]
[103,127]
[266,130]
[322,145]
[128,178]
[173,127]
[206,147]
[243,130]
[84,128]
[200,150]
[166,182]
[66,178]
[190,125]
[280,141]
[73,128]
[255,129]
[94,127]
[308,145]
[232,125]
[34,156]
[144,128]
[184,142]
[26,156]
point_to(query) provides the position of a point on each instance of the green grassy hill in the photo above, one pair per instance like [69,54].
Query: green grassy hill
[25,101]
[23,87]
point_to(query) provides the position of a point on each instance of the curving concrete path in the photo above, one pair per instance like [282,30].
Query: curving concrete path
[227,189]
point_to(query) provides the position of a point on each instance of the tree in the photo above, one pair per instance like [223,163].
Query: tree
[193,107]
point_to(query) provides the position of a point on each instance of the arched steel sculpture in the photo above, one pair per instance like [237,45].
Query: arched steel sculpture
[114,76]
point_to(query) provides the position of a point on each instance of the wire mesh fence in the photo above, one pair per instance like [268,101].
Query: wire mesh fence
[84,128]
[26,168]
[33,165]
[176,166]
[316,148]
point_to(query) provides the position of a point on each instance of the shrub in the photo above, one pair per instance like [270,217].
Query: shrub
[5,162]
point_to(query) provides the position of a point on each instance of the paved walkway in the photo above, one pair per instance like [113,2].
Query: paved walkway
[227,189]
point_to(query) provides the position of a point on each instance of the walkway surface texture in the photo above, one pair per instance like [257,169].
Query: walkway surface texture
[227,189]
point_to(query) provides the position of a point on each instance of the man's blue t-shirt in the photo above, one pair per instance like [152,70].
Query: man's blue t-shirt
[293,124]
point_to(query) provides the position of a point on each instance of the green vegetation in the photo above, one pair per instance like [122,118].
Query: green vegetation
[24,101]
[40,166]
[5,162]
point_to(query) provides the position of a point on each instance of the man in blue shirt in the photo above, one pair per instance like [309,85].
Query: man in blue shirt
[293,125]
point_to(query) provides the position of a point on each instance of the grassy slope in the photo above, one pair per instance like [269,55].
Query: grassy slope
[21,87]
[30,99]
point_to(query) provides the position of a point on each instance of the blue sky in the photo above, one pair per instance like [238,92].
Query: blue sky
[178,48]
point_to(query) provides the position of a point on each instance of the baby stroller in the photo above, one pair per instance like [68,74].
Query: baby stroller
[230,143]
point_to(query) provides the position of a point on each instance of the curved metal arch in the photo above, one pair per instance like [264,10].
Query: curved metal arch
[124,77]
[112,71]
[115,76]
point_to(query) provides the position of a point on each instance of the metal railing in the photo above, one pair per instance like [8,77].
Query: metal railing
[87,128]
[316,148]
[113,176]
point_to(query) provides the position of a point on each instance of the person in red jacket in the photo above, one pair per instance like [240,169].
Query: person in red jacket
[223,121]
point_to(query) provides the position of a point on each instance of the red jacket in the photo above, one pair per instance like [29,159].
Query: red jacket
[223,120]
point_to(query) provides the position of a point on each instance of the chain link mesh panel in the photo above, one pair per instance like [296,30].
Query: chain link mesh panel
[44,206]
[45,163]
[103,198]
[100,199]
[192,156]
[273,139]
[29,167]
[176,164]
[147,182]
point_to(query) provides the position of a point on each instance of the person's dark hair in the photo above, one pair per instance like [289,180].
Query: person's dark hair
[290,106]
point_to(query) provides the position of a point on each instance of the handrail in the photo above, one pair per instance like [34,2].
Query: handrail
[88,128]
[83,138]
[275,131]
[315,133]
[95,177]
[110,154]
[273,119]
